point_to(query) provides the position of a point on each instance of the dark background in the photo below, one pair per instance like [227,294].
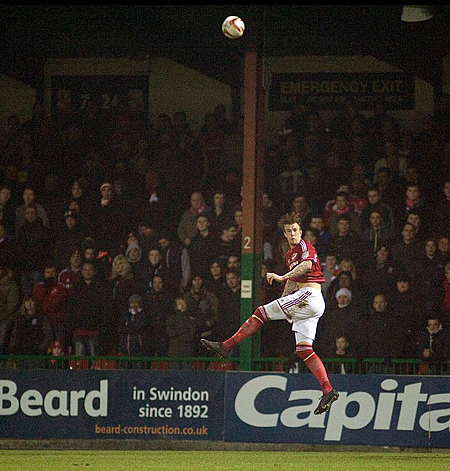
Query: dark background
[191,34]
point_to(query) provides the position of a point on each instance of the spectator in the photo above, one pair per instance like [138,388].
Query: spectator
[147,237]
[383,332]
[32,333]
[77,193]
[330,269]
[176,259]
[443,249]
[382,125]
[223,122]
[391,192]
[133,252]
[107,220]
[99,257]
[393,160]
[291,179]
[36,245]
[415,201]
[446,290]
[269,218]
[230,305]
[158,303]
[203,247]
[50,199]
[187,226]
[349,121]
[316,222]
[376,234]
[317,187]
[11,180]
[403,303]
[71,274]
[428,275]
[375,203]
[88,304]
[122,286]
[415,218]
[153,266]
[132,328]
[80,211]
[380,272]
[406,250]
[344,243]
[300,205]
[9,251]
[341,317]
[211,140]
[340,207]
[29,199]
[181,329]
[238,217]
[215,280]
[68,239]
[52,298]
[204,307]
[219,212]
[7,211]
[228,242]
[344,279]
[441,211]
[9,303]
[343,350]
[433,345]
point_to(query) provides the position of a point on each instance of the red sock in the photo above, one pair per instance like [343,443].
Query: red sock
[315,365]
[247,329]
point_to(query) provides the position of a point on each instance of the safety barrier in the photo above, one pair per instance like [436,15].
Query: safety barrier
[398,366]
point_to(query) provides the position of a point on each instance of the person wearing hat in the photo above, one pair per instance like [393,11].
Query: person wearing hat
[133,252]
[132,327]
[342,317]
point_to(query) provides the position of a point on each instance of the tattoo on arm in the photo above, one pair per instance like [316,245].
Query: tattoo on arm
[289,288]
[300,269]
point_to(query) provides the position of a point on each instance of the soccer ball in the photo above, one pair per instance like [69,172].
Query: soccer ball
[233,27]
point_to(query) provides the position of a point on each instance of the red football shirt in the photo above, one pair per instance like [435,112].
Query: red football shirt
[304,250]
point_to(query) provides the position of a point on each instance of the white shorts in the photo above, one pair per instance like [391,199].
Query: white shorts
[303,309]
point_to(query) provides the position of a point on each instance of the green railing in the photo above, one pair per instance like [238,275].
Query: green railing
[399,366]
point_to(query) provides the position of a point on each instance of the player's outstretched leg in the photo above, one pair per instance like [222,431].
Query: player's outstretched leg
[317,368]
[247,329]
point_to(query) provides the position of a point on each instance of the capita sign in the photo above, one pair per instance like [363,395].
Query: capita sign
[411,411]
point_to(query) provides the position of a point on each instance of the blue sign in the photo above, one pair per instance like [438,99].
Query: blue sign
[111,404]
[372,410]
[330,91]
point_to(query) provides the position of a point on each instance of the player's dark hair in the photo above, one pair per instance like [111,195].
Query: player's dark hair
[290,218]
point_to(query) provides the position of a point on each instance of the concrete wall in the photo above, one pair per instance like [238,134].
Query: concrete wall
[174,87]
[15,98]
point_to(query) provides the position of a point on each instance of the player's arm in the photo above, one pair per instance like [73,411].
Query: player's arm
[289,288]
[298,270]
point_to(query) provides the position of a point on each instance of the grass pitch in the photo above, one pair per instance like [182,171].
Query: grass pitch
[67,460]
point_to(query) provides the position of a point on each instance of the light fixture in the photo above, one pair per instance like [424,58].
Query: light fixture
[415,13]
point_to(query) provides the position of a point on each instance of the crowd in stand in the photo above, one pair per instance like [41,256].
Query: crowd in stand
[121,238]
